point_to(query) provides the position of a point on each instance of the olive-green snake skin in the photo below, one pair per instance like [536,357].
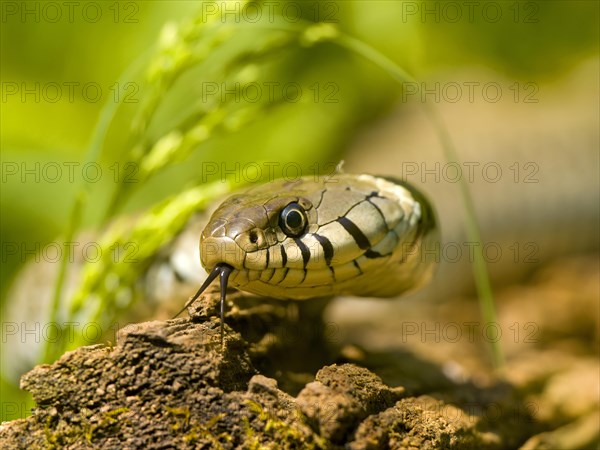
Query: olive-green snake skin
[348,234]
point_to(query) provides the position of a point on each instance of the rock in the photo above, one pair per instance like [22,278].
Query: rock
[171,385]
[420,423]
[341,397]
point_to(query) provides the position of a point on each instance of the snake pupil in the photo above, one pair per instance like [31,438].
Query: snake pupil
[293,220]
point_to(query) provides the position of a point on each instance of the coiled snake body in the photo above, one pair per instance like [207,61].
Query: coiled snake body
[349,234]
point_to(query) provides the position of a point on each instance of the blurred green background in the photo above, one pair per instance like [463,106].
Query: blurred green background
[155,60]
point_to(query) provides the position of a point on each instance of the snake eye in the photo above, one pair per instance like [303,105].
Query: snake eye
[292,220]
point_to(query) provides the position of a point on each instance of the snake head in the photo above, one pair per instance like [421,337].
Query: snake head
[244,227]
[349,234]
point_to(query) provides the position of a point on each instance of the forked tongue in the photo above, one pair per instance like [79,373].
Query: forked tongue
[223,270]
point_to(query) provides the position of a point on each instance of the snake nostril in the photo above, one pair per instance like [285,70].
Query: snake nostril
[253,236]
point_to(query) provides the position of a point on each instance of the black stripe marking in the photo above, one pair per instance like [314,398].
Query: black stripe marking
[373,254]
[304,250]
[327,247]
[284,275]
[304,277]
[267,260]
[332,273]
[359,237]
[357,266]
[271,277]
[283,256]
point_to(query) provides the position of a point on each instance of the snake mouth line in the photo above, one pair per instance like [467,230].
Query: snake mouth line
[222,271]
